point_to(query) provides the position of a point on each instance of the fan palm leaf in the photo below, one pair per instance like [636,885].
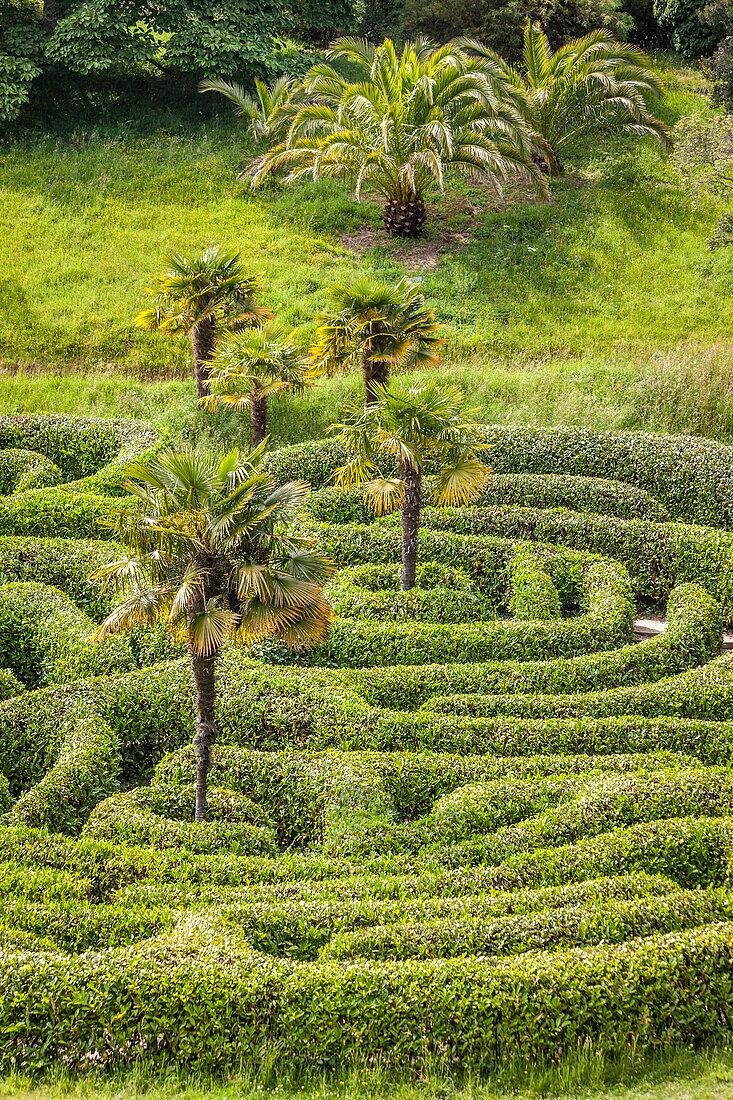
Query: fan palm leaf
[591,85]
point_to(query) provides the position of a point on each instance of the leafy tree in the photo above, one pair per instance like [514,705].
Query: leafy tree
[403,123]
[210,551]
[268,117]
[199,296]
[499,24]
[689,32]
[590,86]
[409,425]
[91,37]
[248,368]
[379,324]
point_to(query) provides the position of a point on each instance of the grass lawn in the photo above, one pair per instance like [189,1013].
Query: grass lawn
[613,270]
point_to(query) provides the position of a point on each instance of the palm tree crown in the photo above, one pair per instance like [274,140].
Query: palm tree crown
[591,85]
[197,295]
[248,368]
[407,426]
[210,551]
[402,123]
[267,117]
[386,324]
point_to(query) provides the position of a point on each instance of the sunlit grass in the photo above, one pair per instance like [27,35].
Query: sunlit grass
[679,1075]
[617,264]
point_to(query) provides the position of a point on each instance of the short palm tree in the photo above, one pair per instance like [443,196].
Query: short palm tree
[407,426]
[402,124]
[592,85]
[268,116]
[199,295]
[382,325]
[248,368]
[210,551]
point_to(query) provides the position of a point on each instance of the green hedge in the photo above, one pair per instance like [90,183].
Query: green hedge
[582,494]
[604,592]
[691,477]
[131,819]
[658,556]
[199,996]
[693,637]
[21,470]
[45,638]
[85,771]
[574,926]
[441,595]
[82,447]
[533,596]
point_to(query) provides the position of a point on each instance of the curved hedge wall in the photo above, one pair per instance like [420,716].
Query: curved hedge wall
[480,818]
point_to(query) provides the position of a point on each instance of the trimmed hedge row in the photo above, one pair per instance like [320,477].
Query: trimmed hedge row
[441,595]
[604,593]
[199,996]
[691,477]
[693,637]
[131,819]
[533,594]
[96,451]
[658,556]
[45,638]
[572,926]
[582,494]
[21,470]
[86,771]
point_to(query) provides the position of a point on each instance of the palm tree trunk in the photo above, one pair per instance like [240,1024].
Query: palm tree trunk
[258,418]
[373,372]
[202,344]
[411,504]
[204,678]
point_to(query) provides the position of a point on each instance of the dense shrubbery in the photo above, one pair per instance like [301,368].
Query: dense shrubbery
[483,767]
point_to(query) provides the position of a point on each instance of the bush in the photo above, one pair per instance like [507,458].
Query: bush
[22,470]
[132,819]
[85,771]
[573,926]
[691,477]
[45,638]
[533,595]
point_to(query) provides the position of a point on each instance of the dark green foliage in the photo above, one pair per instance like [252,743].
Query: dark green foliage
[688,34]
[500,24]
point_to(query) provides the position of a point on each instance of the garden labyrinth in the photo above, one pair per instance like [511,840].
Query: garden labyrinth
[478,822]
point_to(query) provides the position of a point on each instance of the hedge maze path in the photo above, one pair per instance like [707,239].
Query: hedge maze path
[478,822]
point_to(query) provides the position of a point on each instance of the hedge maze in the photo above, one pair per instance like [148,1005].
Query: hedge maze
[478,822]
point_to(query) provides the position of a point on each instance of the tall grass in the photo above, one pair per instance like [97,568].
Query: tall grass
[686,389]
[673,1075]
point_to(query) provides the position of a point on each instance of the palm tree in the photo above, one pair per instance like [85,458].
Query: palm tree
[385,324]
[198,296]
[211,553]
[402,124]
[248,368]
[592,85]
[267,117]
[409,425]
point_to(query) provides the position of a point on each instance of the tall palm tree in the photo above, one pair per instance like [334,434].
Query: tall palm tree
[382,324]
[199,295]
[248,368]
[409,425]
[402,124]
[210,551]
[592,85]
[267,117]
